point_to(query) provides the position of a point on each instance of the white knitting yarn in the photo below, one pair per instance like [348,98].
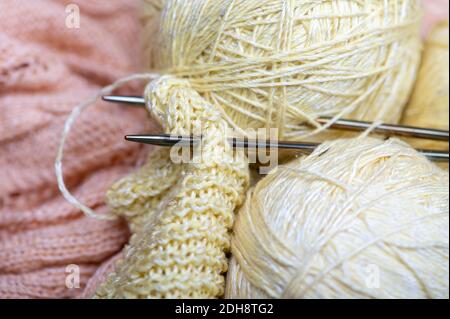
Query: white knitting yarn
[359,218]
[284,63]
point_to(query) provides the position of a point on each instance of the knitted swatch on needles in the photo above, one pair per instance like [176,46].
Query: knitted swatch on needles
[181,250]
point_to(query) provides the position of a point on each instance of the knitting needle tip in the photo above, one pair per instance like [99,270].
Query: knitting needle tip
[162,140]
[130,100]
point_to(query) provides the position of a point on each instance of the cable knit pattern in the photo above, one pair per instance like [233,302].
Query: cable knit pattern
[46,69]
[180,252]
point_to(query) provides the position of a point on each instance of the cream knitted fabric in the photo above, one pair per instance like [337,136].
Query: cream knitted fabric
[138,196]
[180,252]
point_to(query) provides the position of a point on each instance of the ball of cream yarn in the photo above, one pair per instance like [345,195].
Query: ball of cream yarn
[359,218]
[429,104]
[284,63]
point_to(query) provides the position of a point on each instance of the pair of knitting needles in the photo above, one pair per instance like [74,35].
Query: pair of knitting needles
[349,125]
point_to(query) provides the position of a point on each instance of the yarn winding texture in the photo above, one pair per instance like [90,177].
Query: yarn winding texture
[359,218]
[282,64]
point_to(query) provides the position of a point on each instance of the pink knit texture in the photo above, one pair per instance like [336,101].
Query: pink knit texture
[45,70]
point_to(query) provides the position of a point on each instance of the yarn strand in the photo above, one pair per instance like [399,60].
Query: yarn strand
[67,128]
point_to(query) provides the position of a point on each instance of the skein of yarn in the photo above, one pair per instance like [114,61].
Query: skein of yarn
[282,64]
[359,218]
[429,105]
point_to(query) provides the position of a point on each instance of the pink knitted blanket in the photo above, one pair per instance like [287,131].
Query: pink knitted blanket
[47,66]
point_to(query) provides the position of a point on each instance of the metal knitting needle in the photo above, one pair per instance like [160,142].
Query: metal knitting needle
[130,100]
[388,129]
[350,125]
[171,140]
[307,148]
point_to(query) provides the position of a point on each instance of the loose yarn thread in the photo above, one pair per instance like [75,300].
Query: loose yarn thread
[67,128]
